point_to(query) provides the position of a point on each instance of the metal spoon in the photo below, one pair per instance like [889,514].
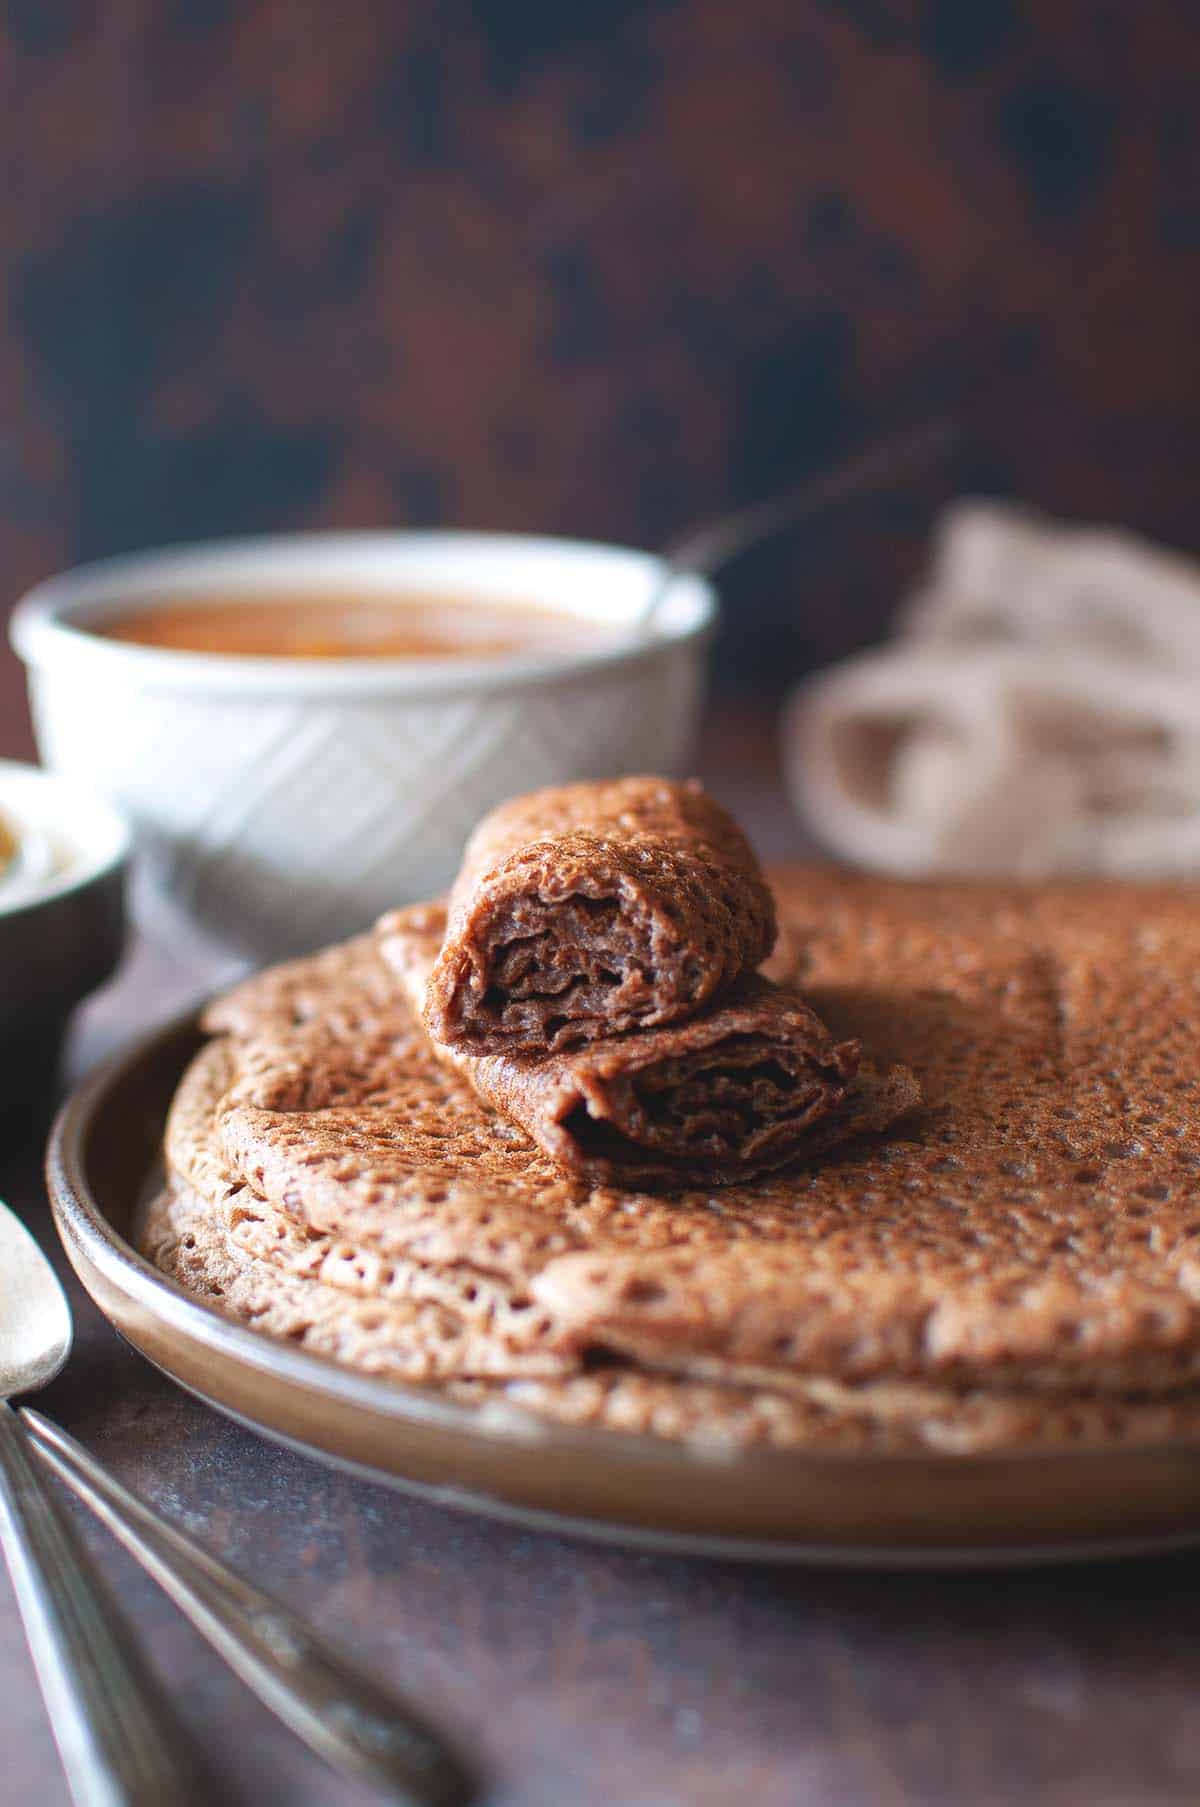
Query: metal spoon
[116,1735]
[112,1729]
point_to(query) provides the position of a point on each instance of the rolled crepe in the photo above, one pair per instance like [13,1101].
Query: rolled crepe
[735,1091]
[587,910]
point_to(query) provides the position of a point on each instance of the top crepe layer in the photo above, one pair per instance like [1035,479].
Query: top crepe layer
[587,910]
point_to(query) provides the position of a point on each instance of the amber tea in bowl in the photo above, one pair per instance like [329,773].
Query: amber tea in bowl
[304,729]
[349,626]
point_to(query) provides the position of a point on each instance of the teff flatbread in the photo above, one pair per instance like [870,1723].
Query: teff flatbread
[1034,1226]
[295,1287]
[591,909]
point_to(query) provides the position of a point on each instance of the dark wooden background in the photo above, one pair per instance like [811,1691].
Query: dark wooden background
[599,267]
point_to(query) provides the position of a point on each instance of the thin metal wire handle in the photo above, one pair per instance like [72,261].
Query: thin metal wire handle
[705,549]
[119,1743]
[337,1710]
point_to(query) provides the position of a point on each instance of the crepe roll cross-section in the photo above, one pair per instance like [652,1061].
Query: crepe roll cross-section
[743,1088]
[589,910]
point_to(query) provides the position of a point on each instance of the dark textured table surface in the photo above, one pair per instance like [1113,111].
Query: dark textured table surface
[579,1674]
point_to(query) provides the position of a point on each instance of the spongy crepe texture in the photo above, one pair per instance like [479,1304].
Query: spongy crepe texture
[426,1340]
[624,903]
[1017,1261]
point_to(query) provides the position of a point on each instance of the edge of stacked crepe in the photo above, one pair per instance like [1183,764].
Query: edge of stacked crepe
[989,1274]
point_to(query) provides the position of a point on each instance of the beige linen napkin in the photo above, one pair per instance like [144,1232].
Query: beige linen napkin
[1038,713]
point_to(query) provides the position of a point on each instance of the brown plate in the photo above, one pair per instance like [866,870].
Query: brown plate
[780,1504]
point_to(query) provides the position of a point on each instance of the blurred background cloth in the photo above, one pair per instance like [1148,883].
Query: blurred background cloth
[1036,714]
[597,268]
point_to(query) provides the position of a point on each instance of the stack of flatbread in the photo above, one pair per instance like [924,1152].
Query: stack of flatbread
[470,1150]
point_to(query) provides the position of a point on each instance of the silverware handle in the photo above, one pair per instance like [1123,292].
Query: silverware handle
[334,1707]
[118,1743]
[706,548]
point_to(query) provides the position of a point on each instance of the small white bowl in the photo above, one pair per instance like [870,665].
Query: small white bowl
[281,803]
[62,919]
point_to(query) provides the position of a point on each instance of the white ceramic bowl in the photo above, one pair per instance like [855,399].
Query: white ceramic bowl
[281,803]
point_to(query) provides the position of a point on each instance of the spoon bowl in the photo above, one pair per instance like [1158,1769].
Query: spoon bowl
[35,1319]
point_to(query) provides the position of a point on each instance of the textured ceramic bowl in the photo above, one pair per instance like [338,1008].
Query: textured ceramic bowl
[281,803]
[62,931]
